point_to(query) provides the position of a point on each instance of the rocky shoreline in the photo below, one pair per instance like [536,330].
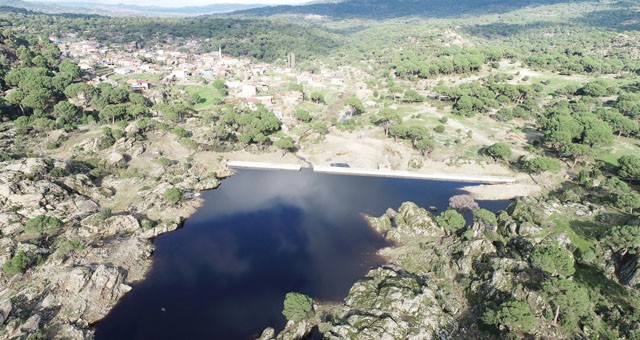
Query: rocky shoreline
[439,284]
[79,272]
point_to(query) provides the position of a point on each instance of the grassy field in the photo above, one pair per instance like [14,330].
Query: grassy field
[209,95]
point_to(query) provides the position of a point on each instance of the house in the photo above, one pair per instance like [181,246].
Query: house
[123,71]
[138,85]
[247,91]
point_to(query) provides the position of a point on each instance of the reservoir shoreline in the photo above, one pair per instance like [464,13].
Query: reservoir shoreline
[375,172]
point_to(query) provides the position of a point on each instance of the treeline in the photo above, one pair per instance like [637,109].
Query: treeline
[258,39]
[447,61]
[385,9]
[564,48]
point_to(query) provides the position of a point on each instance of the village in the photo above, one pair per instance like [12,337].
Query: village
[152,70]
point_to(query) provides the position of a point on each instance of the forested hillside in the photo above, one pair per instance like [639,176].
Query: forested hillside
[382,9]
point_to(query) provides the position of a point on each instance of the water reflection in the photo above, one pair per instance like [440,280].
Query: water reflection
[259,236]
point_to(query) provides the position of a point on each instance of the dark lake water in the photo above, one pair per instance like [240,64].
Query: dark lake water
[260,235]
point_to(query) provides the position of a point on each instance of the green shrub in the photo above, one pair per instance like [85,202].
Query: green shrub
[18,264]
[498,151]
[451,221]
[164,161]
[303,115]
[68,246]
[486,217]
[515,315]
[439,129]
[297,307]
[147,224]
[43,224]
[553,260]
[173,196]
[180,132]
[542,164]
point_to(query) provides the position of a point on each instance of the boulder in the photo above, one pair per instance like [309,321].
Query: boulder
[268,334]
[120,224]
[32,324]
[5,308]
[629,271]
[116,159]
[88,294]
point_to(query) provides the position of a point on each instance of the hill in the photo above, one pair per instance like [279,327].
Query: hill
[120,10]
[381,9]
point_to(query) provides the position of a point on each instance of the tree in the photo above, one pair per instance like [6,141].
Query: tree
[286,144]
[629,167]
[596,133]
[570,298]
[597,88]
[629,201]
[425,145]
[625,239]
[355,105]
[553,260]
[485,217]
[173,196]
[451,221]
[297,307]
[498,151]
[629,104]
[67,114]
[113,112]
[303,115]
[386,118]
[514,315]
[412,96]
[541,164]
[69,69]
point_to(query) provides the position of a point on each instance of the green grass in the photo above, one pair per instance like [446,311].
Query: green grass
[209,94]
[622,146]
[583,233]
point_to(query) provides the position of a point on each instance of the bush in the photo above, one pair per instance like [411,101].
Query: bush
[541,164]
[317,97]
[485,217]
[451,221]
[553,260]
[68,246]
[18,264]
[515,315]
[303,115]
[297,307]
[498,151]
[439,129]
[147,224]
[164,161]
[173,196]
[43,224]
[629,167]
[180,132]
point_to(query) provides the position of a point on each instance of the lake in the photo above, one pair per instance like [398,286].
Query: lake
[260,235]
